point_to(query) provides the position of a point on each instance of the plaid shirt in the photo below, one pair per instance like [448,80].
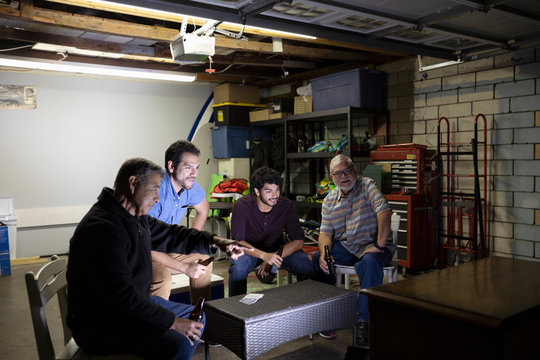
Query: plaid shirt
[352,218]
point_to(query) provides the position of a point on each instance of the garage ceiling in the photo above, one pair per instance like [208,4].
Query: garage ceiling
[343,34]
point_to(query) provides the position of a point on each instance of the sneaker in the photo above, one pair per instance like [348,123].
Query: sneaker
[328,334]
[362,334]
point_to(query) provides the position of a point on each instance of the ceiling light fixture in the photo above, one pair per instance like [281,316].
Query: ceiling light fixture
[97,70]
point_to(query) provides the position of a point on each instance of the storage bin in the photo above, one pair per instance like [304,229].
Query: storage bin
[229,92]
[233,141]
[283,105]
[233,114]
[359,88]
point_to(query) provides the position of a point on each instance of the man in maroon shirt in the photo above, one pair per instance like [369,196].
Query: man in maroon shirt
[259,221]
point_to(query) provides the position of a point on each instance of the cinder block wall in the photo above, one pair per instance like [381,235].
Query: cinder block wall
[506,89]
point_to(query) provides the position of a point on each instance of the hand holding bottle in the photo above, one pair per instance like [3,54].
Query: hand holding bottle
[329,261]
[275,262]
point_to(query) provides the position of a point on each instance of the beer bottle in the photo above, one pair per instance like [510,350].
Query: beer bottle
[272,269]
[329,261]
[197,313]
[205,262]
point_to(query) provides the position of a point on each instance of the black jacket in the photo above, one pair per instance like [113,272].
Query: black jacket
[110,270]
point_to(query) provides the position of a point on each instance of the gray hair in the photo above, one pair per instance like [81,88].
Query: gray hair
[339,159]
[142,169]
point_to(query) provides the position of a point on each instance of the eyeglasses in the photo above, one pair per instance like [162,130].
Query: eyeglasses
[345,172]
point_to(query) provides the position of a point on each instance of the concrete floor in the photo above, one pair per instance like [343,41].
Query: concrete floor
[17,336]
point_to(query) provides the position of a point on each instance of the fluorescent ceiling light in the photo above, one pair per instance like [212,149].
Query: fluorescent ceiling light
[74,50]
[97,70]
[277,31]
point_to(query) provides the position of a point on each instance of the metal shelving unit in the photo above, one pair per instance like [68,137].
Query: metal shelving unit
[314,125]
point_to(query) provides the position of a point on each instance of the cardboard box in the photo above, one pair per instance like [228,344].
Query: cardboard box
[278,115]
[236,93]
[234,168]
[259,114]
[180,288]
[303,104]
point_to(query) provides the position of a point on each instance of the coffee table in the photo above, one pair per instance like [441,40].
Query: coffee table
[283,314]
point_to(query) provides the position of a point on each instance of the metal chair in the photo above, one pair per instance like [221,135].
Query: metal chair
[42,286]
[390,272]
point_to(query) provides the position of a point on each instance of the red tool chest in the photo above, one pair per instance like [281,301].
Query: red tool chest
[413,198]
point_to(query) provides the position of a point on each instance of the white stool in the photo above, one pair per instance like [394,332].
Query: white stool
[389,271]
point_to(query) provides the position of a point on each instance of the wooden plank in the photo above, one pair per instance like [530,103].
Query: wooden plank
[27,9]
[80,43]
[28,260]
[292,50]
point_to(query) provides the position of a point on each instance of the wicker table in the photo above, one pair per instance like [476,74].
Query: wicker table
[284,313]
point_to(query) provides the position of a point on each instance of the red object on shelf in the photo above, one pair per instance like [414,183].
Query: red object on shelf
[412,166]
[413,198]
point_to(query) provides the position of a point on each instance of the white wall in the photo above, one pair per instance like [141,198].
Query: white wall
[55,159]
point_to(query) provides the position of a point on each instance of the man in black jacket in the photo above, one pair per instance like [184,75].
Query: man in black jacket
[110,271]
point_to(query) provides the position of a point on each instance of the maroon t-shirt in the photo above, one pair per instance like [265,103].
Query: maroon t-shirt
[264,230]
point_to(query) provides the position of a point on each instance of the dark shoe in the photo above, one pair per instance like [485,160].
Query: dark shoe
[328,334]
[362,334]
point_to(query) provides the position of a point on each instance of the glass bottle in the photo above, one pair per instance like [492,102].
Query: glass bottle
[329,261]
[197,313]
[272,269]
[205,262]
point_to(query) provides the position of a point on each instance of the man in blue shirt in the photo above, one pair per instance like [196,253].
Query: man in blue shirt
[178,191]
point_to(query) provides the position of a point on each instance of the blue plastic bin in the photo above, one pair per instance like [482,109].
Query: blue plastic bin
[233,141]
[359,88]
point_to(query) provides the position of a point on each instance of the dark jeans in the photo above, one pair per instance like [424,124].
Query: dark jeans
[143,341]
[296,263]
[369,269]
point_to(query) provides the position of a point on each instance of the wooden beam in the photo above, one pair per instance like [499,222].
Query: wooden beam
[94,24]
[27,9]
[79,43]
[292,50]
[124,62]
[123,28]
[236,28]
[213,78]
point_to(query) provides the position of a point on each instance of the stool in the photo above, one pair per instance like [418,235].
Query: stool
[180,288]
[389,271]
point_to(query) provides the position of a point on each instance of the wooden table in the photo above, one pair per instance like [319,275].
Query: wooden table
[488,309]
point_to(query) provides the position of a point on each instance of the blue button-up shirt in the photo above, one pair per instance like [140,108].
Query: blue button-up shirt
[172,206]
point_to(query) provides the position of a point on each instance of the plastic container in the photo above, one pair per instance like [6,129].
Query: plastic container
[233,141]
[233,114]
[359,88]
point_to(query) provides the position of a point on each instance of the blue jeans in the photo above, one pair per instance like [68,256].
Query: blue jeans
[296,263]
[369,269]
